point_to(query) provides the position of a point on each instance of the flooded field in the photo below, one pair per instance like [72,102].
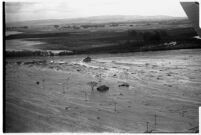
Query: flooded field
[12,33]
[21,45]
[148,92]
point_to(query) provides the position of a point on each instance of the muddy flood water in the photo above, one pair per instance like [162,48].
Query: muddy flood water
[148,92]
[20,44]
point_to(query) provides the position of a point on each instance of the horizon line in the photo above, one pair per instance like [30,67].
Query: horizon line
[95,16]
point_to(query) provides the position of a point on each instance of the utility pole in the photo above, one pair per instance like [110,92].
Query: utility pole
[43,84]
[67,82]
[182,111]
[63,86]
[147,127]
[85,93]
[155,120]
[115,106]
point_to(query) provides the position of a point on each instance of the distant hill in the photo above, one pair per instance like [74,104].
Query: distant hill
[93,19]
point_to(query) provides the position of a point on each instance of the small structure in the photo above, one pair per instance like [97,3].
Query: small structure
[103,88]
[87,59]
[173,43]
[19,62]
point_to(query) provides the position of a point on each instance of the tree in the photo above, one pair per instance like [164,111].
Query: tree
[56,26]
[151,36]
[92,84]
[156,36]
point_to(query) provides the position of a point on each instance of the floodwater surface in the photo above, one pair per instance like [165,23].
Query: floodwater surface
[163,90]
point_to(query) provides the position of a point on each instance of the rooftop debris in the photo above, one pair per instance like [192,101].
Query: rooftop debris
[103,88]
[124,84]
[87,59]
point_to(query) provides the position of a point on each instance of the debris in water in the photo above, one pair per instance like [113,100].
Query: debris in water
[67,108]
[121,94]
[103,88]
[87,59]
[19,63]
[124,85]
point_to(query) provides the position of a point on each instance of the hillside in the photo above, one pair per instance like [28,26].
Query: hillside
[93,19]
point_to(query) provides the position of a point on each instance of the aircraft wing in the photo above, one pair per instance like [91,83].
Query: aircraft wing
[192,11]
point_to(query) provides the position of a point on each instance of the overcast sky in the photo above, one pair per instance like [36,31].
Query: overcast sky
[58,9]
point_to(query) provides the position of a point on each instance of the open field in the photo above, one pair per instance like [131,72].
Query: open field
[46,94]
[110,37]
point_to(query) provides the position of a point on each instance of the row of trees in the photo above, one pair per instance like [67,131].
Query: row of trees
[14,28]
[81,26]
[35,53]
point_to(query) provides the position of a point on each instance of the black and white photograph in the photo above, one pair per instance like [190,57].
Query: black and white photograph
[101,66]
